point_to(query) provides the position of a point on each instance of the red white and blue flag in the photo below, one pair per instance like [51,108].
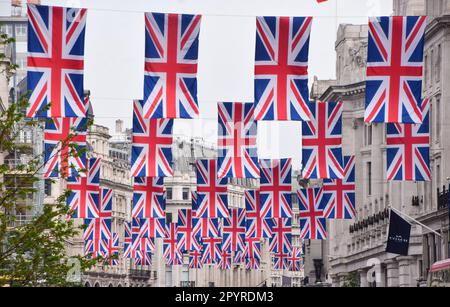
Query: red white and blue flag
[295,259]
[195,259]
[171,54]
[56,61]
[149,199]
[256,226]
[408,149]
[153,227]
[252,248]
[281,68]
[313,224]
[187,241]
[224,262]
[171,253]
[339,194]
[127,240]
[65,147]
[322,141]
[280,260]
[212,192]
[113,249]
[281,240]
[275,188]
[212,248]
[151,153]
[252,263]
[83,199]
[233,230]
[237,152]
[96,236]
[206,228]
[395,69]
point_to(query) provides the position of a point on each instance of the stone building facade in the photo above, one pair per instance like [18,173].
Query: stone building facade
[357,248]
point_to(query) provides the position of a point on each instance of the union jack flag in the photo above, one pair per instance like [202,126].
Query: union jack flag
[281,68]
[83,199]
[65,147]
[256,227]
[395,69]
[252,248]
[342,202]
[237,153]
[112,252]
[171,252]
[239,257]
[144,258]
[212,248]
[252,263]
[153,227]
[224,261]
[105,203]
[149,200]
[313,225]
[280,261]
[171,54]
[186,239]
[151,153]
[128,240]
[275,188]
[206,228]
[96,236]
[295,259]
[281,240]
[322,141]
[212,193]
[56,61]
[195,259]
[408,149]
[234,230]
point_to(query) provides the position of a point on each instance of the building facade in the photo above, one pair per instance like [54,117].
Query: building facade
[356,249]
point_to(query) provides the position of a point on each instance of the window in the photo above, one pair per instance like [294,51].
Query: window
[48,187]
[438,119]
[438,63]
[369,135]
[169,217]
[6,29]
[21,30]
[169,193]
[431,67]
[369,178]
[186,193]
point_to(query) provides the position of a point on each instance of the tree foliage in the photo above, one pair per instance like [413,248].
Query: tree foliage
[32,253]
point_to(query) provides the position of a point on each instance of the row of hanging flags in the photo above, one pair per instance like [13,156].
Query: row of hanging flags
[211,232]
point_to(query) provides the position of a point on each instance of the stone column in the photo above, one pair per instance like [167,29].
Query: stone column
[405,273]
[363,278]
[392,273]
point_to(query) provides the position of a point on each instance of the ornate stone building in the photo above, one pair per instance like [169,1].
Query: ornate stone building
[357,248]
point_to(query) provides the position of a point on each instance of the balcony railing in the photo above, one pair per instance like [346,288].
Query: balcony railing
[370,221]
[141,273]
[443,198]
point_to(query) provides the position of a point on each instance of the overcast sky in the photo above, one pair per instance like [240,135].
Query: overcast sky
[114,56]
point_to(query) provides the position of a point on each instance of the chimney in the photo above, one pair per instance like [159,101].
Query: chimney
[18,3]
[119,126]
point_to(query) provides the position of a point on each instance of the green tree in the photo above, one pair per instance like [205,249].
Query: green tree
[352,280]
[32,253]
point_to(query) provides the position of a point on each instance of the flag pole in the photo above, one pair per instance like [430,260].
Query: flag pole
[414,220]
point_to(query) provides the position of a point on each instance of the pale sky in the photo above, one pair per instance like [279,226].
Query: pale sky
[114,56]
